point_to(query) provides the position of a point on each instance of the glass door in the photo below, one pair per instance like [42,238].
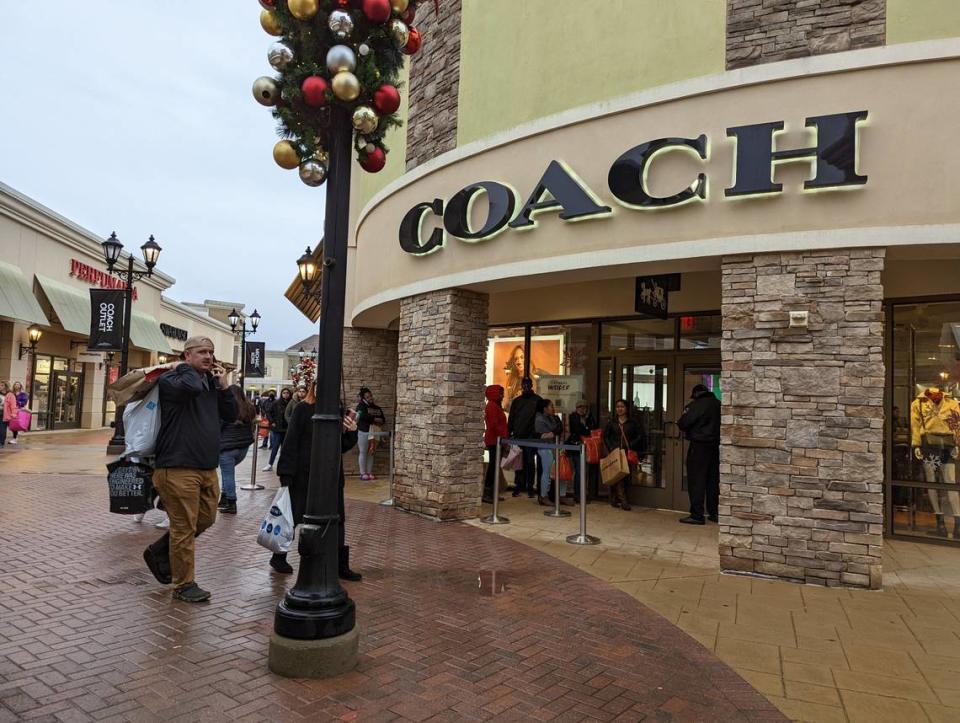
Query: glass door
[66,401]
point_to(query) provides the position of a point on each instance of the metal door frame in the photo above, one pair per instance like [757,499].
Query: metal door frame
[52,422]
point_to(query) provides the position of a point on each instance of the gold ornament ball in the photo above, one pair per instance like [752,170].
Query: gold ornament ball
[399,6]
[322,156]
[270,24]
[286,155]
[365,120]
[346,86]
[303,9]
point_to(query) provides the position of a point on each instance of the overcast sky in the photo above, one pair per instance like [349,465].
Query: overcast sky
[138,117]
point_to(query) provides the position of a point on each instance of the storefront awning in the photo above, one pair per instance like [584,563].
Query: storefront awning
[145,333]
[72,307]
[308,304]
[16,299]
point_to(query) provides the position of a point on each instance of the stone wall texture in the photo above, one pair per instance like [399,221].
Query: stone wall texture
[763,31]
[434,84]
[440,381]
[370,360]
[801,494]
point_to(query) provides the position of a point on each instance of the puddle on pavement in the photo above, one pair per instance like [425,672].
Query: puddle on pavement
[487,583]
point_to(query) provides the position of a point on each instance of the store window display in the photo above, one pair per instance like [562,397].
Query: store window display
[934,426]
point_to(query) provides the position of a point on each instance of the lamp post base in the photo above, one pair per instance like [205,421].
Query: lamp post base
[323,658]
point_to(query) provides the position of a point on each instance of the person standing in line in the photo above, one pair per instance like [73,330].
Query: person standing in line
[278,425]
[520,424]
[368,414]
[294,470]
[495,425]
[624,431]
[266,401]
[581,425]
[235,439]
[195,401]
[297,398]
[700,423]
[9,410]
[548,428]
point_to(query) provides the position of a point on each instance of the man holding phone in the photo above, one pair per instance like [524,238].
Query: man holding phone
[194,401]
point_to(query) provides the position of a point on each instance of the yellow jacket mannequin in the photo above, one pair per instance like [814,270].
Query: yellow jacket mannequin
[927,416]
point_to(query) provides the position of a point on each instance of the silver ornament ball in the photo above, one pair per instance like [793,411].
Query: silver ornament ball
[313,173]
[265,91]
[279,56]
[369,148]
[400,32]
[364,49]
[340,57]
[340,24]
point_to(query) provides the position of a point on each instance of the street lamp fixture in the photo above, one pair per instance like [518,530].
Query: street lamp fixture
[254,320]
[34,335]
[309,270]
[112,250]
[301,353]
[239,327]
[233,317]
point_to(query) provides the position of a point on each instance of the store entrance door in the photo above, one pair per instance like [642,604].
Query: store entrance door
[66,400]
[659,384]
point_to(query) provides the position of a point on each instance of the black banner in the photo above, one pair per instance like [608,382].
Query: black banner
[106,320]
[653,294]
[256,361]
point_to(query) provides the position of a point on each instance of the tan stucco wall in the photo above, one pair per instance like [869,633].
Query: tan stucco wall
[912,20]
[907,186]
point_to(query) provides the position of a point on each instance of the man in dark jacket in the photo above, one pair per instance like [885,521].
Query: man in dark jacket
[700,422]
[194,399]
[581,425]
[523,414]
[266,401]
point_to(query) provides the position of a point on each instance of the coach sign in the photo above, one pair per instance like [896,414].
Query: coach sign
[106,320]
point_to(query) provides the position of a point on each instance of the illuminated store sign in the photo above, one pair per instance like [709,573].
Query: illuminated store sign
[834,159]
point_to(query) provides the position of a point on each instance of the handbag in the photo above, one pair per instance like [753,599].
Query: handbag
[614,467]
[632,457]
[566,468]
[592,445]
[21,422]
[130,486]
[513,461]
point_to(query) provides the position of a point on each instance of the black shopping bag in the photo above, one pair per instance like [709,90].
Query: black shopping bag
[131,487]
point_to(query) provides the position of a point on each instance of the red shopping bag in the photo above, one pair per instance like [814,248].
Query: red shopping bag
[566,468]
[592,446]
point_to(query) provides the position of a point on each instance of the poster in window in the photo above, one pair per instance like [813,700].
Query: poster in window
[507,363]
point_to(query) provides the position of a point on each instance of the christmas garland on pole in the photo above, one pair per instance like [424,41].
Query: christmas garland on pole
[346,52]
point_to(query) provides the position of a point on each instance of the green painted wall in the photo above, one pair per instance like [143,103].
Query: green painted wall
[912,20]
[524,59]
[369,184]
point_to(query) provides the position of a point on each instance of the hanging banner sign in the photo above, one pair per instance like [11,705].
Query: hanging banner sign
[653,294]
[255,363]
[106,320]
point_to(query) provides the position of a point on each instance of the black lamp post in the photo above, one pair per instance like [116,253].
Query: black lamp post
[112,248]
[238,326]
[317,607]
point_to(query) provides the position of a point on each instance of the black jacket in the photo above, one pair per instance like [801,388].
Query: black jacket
[700,421]
[236,435]
[523,414]
[276,417]
[294,463]
[632,430]
[192,409]
[580,427]
[368,414]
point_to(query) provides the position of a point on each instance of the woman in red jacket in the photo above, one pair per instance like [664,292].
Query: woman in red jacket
[495,422]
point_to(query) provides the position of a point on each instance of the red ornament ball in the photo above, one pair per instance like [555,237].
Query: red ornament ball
[374,161]
[409,14]
[343,3]
[377,11]
[386,99]
[413,43]
[314,89]
[268,4]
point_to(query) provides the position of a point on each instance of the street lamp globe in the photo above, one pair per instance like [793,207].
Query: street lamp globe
[308,268]
[151,253]
[254,319]
[233,317]
[34,334]
[111,250]
[301,353]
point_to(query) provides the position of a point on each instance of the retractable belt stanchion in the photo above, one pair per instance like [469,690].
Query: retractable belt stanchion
[556,511]
[495,519]
[389,501]
[253,470]
[583,538]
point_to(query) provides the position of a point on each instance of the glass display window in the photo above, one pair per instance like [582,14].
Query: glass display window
[701,332]
[637,335]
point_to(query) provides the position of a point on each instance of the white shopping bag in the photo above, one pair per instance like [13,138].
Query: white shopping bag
[276,530]
[141,424]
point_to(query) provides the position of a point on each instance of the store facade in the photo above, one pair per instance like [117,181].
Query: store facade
[47,266]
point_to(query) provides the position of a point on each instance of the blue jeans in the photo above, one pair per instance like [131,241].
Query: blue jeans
[546,462]
[276,441]
[229,459]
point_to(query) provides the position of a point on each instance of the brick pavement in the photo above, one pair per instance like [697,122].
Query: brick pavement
[456,625]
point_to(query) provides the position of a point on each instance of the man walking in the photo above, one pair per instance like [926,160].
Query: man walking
[194,400]
[700,422]
[523,414]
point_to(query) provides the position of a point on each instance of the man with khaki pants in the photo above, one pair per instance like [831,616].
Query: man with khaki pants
[194,401]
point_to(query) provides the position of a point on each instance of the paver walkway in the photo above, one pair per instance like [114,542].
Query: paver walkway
[456,624]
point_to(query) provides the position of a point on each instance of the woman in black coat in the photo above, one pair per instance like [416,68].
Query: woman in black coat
[294,470]
[626,433]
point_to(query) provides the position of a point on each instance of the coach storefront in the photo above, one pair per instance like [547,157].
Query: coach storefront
[48,267]
[787,235]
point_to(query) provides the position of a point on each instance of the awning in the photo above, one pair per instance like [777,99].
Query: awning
[16,298]
[72,307]
[145,333]
[308,304]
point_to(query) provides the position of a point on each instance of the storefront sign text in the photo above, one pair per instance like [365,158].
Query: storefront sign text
[96,277]
[173,332]
[833,158]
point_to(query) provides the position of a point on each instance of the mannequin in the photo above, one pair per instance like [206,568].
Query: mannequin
[934,424]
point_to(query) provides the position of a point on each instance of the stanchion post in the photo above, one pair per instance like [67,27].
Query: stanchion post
[389,501]
[583,538]
[253,470]
[495,519]
[556,511]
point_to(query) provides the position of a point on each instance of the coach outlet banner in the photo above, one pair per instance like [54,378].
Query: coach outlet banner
[106,320]
[255,363]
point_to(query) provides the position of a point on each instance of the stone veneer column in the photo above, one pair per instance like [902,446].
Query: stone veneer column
[440,378]
[370,360]
[801,459]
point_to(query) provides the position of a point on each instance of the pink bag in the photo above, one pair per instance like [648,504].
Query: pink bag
[21,423]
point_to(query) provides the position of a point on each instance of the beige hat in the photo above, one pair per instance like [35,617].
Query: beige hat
[195,342]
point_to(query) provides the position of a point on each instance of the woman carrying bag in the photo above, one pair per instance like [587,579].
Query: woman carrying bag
[624,432]
[370,418]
